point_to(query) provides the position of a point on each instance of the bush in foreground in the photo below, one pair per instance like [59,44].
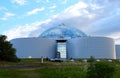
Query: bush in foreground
[100,70]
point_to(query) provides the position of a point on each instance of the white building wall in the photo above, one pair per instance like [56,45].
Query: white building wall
[34,47]
[98,47]
[117,51]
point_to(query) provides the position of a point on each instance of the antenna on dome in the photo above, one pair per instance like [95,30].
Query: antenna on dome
[61,24]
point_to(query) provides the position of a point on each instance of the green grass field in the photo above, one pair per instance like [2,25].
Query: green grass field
[48,69]
[48,72]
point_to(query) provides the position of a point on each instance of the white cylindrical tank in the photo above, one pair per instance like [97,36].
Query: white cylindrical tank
[117,51]
[84,47]
[34,47]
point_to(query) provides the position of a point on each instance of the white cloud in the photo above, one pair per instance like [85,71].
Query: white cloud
[117,41]
[7,15]
[76,10]
[34,11]
[20,2]
[21,31]
[25,31]
[116,36]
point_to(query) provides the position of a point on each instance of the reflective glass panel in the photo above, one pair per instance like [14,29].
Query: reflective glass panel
[61,47]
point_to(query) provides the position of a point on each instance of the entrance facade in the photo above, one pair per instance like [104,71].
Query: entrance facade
[61,48]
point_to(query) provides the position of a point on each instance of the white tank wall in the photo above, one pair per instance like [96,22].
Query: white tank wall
[98,47]
[117,51]
[35,47]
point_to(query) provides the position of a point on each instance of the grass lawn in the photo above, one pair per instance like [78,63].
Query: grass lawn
[49,70]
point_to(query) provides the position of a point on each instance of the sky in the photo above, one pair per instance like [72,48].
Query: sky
[29,18]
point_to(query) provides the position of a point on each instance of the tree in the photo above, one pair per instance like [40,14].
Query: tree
[7,52]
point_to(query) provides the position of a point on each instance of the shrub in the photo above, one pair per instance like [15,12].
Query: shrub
[100,70]
[91,59]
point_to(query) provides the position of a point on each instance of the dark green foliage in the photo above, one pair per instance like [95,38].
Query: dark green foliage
[91,59]
[100,70]
[7,52]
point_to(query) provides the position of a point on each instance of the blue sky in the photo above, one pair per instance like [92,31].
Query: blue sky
[28,18]
[20,12]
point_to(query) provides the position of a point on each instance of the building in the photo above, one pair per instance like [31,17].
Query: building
[66,42]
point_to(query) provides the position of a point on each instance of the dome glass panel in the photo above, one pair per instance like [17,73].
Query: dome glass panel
[64,32]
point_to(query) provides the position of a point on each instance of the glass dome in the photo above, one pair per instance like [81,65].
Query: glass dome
[62,32]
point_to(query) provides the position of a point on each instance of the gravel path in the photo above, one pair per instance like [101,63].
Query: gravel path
[21,67]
